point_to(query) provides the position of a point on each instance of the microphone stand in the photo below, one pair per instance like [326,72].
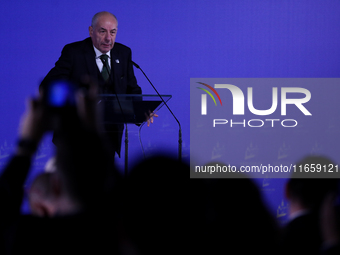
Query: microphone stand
[179,125]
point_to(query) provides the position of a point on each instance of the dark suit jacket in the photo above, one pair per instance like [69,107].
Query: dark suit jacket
[78,60]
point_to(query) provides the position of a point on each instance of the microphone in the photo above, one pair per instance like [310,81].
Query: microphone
[179,125]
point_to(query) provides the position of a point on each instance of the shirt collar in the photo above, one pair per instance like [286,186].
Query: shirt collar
[99,53]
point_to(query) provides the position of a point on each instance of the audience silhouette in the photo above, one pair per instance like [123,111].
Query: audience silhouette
[83,204]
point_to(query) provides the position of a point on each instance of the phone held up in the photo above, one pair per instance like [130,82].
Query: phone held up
[59,98]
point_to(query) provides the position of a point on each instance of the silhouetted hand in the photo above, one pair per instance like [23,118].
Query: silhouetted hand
[33,125]
[87,105]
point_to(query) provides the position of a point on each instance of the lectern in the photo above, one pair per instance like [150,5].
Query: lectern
[128,109]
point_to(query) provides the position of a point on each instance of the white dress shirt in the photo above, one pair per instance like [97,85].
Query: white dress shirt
[99,61]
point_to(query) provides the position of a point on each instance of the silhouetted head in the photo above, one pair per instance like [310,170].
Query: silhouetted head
[156,205]
[310,188]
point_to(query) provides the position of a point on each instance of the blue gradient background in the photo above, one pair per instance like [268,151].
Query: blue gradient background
[172,41]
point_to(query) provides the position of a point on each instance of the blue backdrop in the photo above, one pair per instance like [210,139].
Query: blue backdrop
[172,41]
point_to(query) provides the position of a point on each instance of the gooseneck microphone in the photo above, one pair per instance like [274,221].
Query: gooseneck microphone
[179,124]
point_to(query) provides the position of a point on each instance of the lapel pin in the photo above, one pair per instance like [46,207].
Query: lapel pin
[117,61]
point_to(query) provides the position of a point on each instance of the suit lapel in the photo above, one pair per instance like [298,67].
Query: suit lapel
[115,70]
[90,58]
[91,63]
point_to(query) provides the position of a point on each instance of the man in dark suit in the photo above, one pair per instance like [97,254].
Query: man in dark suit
[101,59]
[303,233]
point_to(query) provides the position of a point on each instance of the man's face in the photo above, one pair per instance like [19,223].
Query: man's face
[103,34]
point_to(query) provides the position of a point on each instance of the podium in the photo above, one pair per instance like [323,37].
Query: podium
[128,109]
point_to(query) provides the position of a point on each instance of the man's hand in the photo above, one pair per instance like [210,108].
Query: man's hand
[33,124]
[149,118]
[87,105]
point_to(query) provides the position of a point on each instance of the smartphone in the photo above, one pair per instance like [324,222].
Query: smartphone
[60,94]
[60,101]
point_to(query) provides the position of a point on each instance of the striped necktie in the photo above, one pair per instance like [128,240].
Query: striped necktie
[106,68]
